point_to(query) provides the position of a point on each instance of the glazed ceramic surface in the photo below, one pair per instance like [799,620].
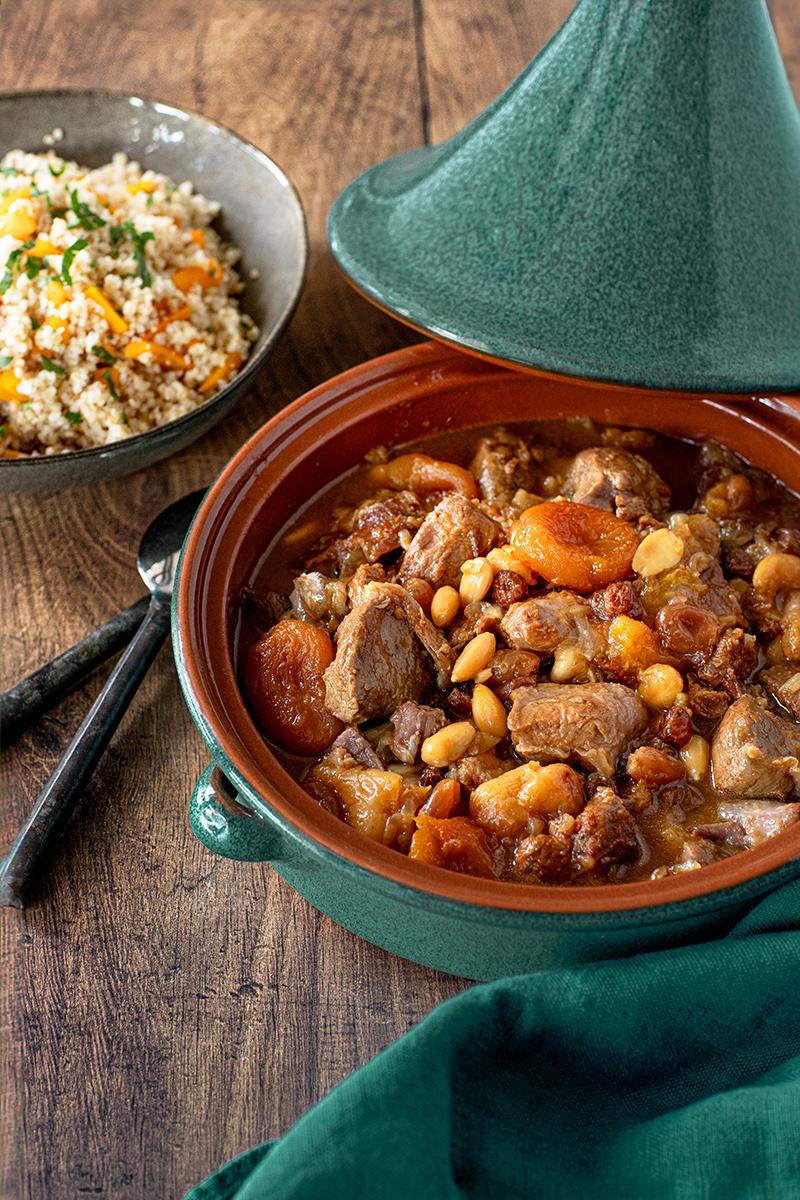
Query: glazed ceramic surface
[249,808]
[628,210]
[261,213]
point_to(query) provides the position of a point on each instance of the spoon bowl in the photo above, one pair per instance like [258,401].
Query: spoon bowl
[157,563]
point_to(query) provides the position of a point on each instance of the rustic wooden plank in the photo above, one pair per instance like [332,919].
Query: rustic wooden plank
[473,52]
[164,1009]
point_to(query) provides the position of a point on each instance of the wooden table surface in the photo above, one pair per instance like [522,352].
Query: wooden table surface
[164,1009]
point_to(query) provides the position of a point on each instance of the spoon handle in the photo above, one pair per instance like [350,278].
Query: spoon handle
[55,804]
[23,702]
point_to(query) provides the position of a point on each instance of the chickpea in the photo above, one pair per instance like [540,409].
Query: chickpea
[660,685]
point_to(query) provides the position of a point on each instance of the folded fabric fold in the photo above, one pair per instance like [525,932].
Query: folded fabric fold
[671,1074]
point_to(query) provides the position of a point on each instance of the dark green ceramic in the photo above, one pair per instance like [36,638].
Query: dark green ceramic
[628,210]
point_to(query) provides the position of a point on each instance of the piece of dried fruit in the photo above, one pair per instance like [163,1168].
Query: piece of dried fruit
[575,545]
[285,689]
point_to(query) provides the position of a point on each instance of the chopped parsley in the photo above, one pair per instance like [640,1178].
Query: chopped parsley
[6,361]
[49,365]
[55,212]
[139,242]
[125,420]
[35,324]
[33,266]
[73,417]
[10,171]
[103,354]
[69,255]
[149,201]
[3,430]
[11,262]
[26,405]
[55,173]
[117,233]
[87,219]
[110,382]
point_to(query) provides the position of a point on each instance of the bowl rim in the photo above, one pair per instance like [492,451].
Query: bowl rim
[260,352]
[201,623]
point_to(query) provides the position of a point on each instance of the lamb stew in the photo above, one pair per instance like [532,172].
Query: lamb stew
[557,653]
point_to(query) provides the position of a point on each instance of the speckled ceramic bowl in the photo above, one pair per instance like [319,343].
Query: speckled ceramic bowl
[261,213]
[247,807]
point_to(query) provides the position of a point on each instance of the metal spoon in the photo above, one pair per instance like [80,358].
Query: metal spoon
[22,703]
[157,563]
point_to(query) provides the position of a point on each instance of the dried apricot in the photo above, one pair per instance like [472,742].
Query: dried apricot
[457,843]
[422,474]
[285,689]
[575,545]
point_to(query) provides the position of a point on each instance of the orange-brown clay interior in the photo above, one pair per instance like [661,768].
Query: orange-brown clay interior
[419,391]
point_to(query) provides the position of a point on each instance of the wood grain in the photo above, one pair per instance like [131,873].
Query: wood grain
[164,1009]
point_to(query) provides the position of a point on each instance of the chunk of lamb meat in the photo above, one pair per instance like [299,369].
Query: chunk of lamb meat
[783,682]
[502,464]
[360,750]
[760,819]
[379,662]
[754,752]
[605,832]
[454,531]
[544,622]
[589,723]
[413,723]
[380,522]
[617,480]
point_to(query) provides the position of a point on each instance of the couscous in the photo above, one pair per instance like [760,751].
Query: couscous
[117,303]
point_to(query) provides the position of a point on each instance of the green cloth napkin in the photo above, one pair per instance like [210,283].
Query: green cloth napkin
[672,1074]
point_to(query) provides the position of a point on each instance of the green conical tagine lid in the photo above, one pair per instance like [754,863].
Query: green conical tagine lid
[628,210]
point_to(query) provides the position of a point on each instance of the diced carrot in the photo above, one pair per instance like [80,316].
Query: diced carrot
[142,185]
[101,372]
[165,355]
[8,387]
[180,314]
[232,363]
[19,194]
[198,237]
[20,223]
[13,454]
[43,248]
[186,278]
[59,323]
[115,320]
[55,293]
